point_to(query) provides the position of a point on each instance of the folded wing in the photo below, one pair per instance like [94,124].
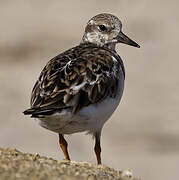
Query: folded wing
[81,76]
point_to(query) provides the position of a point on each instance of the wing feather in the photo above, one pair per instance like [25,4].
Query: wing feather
[79,77]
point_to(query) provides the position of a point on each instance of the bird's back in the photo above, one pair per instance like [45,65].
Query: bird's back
[79,77]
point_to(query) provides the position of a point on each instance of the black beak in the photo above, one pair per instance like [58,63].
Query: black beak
[122,38]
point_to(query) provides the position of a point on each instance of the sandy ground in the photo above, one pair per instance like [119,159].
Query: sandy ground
[143,133]
[24,166]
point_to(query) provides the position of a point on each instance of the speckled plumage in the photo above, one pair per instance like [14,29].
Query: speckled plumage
[79,89]
[83,75]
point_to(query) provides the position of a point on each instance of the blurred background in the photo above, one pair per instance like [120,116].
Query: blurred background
[143,133]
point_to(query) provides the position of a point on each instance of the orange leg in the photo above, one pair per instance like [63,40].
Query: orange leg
[64,145]
[97,148]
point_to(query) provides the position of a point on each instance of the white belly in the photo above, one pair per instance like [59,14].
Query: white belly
[90,118]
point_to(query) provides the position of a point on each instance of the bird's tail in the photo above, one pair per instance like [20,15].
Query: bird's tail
[42,112]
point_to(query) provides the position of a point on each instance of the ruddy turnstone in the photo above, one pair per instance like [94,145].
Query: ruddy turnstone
[79,89]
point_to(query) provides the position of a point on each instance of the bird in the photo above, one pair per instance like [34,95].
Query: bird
[79,89]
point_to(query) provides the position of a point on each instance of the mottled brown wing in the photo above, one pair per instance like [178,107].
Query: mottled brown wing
[79,77]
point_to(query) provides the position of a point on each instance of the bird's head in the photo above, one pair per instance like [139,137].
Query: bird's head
[106,30]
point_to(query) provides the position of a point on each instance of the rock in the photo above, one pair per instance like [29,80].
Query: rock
[23,166]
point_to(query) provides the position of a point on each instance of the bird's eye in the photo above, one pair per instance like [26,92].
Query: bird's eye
[102,27]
